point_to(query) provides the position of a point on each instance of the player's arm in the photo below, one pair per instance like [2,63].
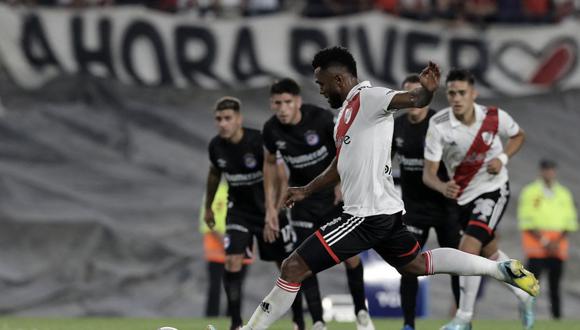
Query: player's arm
[271,226]
[430,178]
[419,97]
[213,180]
[325,179]
[513,145]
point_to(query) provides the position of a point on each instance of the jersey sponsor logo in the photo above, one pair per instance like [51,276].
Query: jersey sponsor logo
[311,138]
[221,163]
[281,145]
[487,137]
[243,179]
[309,159]
[250,161]
[411,164]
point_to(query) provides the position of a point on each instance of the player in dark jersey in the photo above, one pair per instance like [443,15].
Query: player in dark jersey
[237,152]
[425,207]
[303,135]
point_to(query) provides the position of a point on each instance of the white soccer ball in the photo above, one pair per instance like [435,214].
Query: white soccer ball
[167,328]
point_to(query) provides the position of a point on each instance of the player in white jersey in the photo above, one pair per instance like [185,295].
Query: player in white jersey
[372,208]
[466,137]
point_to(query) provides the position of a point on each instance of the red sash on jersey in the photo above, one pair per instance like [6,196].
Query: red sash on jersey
[345,121]
[475,156]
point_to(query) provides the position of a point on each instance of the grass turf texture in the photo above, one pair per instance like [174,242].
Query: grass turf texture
[222,324]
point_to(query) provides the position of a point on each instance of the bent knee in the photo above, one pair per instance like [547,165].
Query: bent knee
[352,262]
[415,268]
[234,262]
[294,269]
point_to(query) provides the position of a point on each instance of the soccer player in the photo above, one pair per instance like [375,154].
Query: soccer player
[466,137]
[426,208]
[303,135]
[372,215]
[237,152]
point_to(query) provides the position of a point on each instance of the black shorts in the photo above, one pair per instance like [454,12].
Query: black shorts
[348,235]
[307,217]
[240,231]
[444,221]
[481,216]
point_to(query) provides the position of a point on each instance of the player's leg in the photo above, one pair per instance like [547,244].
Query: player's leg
[555,268]
[331,244]
[278,251]
[238,238]
[301,219]
[481,216]
[449,235]
[398,250]
[215,275]
[409,283]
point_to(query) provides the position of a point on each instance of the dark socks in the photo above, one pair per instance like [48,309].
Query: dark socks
[312,293]
[356,286]
[233,286]
[297,314]
[409,288]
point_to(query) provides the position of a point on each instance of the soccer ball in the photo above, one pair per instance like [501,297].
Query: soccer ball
[167,328]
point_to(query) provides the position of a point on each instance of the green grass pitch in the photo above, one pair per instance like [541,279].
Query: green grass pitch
[10,323]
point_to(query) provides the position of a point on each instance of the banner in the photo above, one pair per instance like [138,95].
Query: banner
[138,46]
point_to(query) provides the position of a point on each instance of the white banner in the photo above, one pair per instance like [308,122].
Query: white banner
[138,46]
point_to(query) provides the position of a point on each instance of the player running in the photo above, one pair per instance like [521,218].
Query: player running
[466,137]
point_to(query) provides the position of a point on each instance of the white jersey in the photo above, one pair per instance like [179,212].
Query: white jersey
[449,140]
[363,133]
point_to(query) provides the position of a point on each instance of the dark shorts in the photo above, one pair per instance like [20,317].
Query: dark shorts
[240,231]
[347,236]
[307,217]
[481,216]
[443,220]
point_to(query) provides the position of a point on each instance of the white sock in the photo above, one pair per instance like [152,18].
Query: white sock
[276,303]
[500,256]
[453,261]
[469,286]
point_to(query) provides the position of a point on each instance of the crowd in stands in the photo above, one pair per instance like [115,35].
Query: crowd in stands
[474,11]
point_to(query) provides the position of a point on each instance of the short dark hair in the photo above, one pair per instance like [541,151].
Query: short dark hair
[412,78]
[547,163]
[333,56]
[227,103]
[460,75]
[285,85]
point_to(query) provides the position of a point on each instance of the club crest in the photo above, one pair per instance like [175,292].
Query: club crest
[311,138]
[250,161]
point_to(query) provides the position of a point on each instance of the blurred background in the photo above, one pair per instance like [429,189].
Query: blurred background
[106,113]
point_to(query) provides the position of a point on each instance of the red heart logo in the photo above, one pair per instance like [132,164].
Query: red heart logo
[544,67]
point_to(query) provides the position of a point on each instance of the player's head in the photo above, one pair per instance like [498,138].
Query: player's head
[461,92]
[227,116]
[548,170]
[335,74]
[285,101]
[409,83]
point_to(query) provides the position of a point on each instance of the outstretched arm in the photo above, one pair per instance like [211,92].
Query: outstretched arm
[325,179]
[419,97]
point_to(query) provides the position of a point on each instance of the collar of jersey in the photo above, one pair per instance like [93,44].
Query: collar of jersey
[479,115]
[356,89]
